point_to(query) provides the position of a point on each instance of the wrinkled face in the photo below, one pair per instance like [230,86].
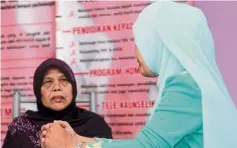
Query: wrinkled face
[56,90]
[144,70]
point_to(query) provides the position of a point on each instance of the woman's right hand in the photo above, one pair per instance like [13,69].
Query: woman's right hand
[53,135]
[66,126]
[76,138]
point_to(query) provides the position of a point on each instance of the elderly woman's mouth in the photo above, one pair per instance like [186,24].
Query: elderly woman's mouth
[58,98]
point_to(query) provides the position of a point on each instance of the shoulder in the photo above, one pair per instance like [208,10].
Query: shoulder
[16,125]
[23,132]
[101,129]
[183,83]
[21,125]
[94,117]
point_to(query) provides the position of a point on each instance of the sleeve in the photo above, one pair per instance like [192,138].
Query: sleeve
[179,114]
[15,137]
[11,141]
[16,141]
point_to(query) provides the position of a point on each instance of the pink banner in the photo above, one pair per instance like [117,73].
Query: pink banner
[27,38]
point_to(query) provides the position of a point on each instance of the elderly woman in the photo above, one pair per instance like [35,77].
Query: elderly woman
[193,109]
[56,90]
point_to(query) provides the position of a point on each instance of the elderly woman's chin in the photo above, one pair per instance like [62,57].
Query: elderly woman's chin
[58,106]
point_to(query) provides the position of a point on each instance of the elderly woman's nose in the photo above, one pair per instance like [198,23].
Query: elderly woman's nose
[56,86]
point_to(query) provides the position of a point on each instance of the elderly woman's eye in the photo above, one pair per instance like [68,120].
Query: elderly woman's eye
[47,82]
[64,79]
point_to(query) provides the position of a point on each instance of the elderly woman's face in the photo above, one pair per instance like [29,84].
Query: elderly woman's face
[56,90]
[144,70]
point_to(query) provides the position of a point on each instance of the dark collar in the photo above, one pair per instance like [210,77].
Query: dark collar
[74,120]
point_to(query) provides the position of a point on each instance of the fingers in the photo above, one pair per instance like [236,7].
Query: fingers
[64,124]
[44,129]
[44,142]
[46,126]
[43,138]
[48,129]
[43,134]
